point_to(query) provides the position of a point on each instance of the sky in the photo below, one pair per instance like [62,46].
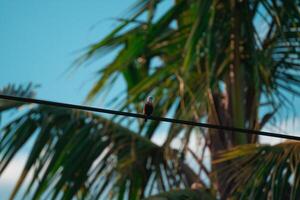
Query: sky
[40,39]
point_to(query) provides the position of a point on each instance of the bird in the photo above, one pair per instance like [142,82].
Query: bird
[148,107]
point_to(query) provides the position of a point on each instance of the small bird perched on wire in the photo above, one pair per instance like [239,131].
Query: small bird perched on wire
[148,107]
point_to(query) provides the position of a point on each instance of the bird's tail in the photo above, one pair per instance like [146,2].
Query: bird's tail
[146,119]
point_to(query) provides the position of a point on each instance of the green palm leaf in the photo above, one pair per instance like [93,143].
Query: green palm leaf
[77,154]
[13,90]
[197,52]
[263,172]
[183,195]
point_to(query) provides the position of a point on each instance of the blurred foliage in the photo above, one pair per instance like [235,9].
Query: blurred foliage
[85,155]
[264,172]
[203,60]
[13,90]
[183,195]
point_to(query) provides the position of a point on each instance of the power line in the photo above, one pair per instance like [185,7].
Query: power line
[136,115]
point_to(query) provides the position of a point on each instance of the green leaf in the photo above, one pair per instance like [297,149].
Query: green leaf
[183,195]
[263,171]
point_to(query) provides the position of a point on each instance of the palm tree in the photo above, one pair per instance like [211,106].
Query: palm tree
[203,60]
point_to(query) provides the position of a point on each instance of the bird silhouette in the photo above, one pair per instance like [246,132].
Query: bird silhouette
[148,107]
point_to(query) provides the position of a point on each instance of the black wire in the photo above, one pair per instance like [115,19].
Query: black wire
[128,114]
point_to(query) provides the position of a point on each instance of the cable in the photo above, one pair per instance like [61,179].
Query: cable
[128,114]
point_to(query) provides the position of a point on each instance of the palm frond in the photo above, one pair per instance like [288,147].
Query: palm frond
[187,194]
[13,90]
[263,172]
[199,50]
[76,154]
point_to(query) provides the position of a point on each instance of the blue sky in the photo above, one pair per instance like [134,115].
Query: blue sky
[41,38]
